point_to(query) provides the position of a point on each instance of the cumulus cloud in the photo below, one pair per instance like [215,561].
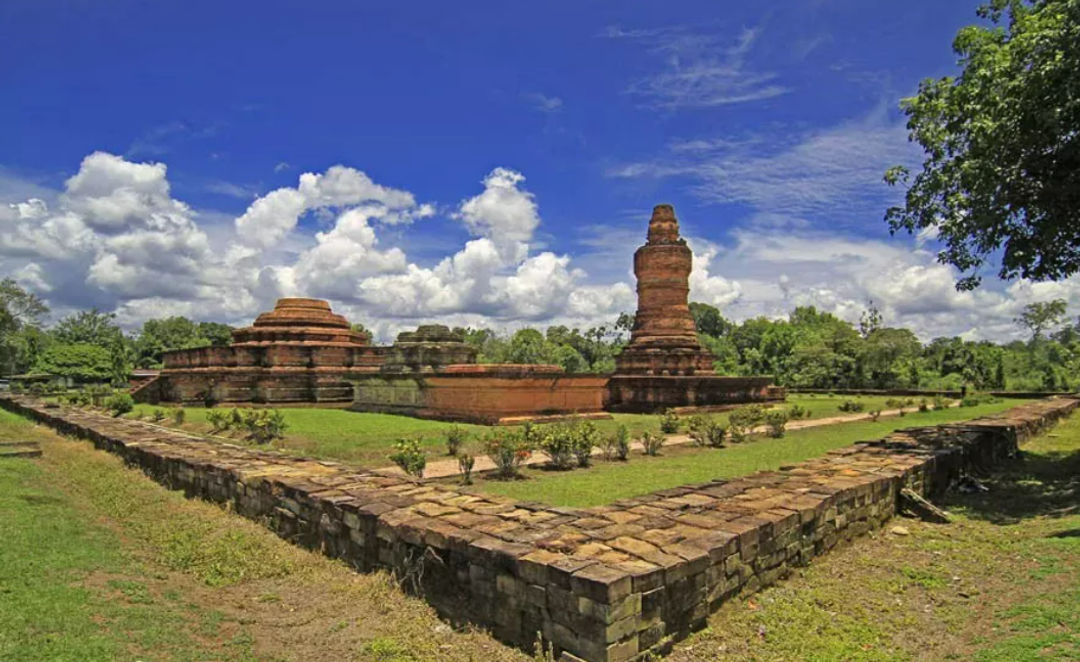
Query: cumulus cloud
[272,216]
[503,213]
[115,238]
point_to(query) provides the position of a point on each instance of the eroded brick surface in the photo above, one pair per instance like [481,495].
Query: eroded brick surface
[608,583]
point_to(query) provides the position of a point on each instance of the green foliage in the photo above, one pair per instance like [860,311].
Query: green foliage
[616,445]
[410,457]
[557,443]
[1042,315]
[875,414]
[797,411]
[80,361]
[158,415]
[160,335]
[455,439]
[508,450]
[1000,168]
[940,402]
[179,415]
[586,437]
[706,431]
[742,421]
[669,422]
[120,403]
[850,406]
[264,425]
[217,419]
[20,338]
[465,467]
[924,406]
[651,443]
[777,420]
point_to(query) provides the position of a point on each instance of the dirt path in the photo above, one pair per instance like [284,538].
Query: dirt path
[446,468]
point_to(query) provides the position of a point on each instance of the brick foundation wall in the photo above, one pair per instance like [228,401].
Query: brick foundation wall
[601,584]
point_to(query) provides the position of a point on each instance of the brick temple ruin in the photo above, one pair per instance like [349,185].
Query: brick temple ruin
[302,353]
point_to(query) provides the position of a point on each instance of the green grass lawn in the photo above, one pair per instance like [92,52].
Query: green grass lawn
[367,439]
[99,563]
[605,482]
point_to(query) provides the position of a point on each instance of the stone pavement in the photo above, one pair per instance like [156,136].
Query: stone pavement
[606,584]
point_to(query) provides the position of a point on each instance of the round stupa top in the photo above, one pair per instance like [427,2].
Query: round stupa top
[663,226]
[309,321]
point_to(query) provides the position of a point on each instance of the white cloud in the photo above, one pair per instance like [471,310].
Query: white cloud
[504,213]
[701,70]
[543,102]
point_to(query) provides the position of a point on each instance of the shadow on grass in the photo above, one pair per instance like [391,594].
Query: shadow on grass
[1036,485]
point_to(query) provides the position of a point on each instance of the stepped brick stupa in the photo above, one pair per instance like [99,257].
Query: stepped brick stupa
[664,365]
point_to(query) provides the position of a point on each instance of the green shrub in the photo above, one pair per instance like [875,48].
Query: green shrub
[924,405]
[651,443]
[37,389]
[455,439]
[465,463]
[585,437]
[669,422]
[742,421]
[557,443]
[850,406]
[158,415]
[940,403]
[120,403]
[616,446]
[970,401]
[179,415]
[777,420]
[798,411]
[706,431]
[17,389]
[263,425]
[409,456]
[875,414]
[236,418]
[217,419]
[508,450]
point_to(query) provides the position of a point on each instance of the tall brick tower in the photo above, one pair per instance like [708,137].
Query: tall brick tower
[664,339]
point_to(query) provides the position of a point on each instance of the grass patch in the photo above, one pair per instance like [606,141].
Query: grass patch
[609,481]
[98,562]
[1000,584]
[368,438]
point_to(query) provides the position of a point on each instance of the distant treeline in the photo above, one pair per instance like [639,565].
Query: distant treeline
[809,349]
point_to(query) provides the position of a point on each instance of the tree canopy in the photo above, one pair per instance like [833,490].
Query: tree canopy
[1001,170]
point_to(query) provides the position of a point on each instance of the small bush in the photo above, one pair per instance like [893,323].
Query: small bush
[585,437]
[875,414]
[798,411]
[557,443]
[465,464]
[777,420]
[37,389]
[264,425]
[706,431]
[970,401]
[940,403]
[236,418]
[924,405]
[652,443]
[616,446]
[179,416]
[850,406]
[217,419]
[120,403]
[455,439]
[158,415]
[742,421]
[409,456]
[508,450]
[669,422]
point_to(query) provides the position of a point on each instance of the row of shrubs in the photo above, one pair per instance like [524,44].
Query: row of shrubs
[261,425]
[571,444]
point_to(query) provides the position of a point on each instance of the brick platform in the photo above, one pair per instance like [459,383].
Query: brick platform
[601,584]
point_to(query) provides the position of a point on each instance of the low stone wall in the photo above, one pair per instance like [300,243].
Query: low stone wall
[601,584]
[654,393]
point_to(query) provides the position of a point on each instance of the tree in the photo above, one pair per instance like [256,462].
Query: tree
[708,320]
[870,320]
[88,326]
[161,335]
[80,361]
[1002,151]
[20,312]
[219,334]
[1042,315]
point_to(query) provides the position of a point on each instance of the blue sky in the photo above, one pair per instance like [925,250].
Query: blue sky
[499,159]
